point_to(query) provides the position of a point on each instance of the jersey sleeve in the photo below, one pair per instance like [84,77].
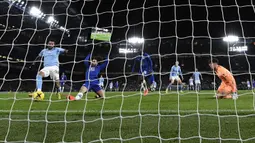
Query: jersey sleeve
[86,60]
[103,65]
[60,50]
[41,53]
[180,71]
[171,71]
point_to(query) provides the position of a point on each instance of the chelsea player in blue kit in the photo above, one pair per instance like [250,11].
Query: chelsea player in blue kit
[146,71]
[175,74]
[91,80]
[62,82]
[51,65]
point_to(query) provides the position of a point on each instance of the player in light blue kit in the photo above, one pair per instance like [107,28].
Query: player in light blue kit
[146,71]
[63,79]
[91,78]
[51,65]
[174,75]
[101,82]
[197,76]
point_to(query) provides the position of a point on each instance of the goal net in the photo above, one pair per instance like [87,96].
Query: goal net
[141,46]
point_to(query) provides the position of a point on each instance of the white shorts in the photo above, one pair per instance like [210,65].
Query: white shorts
[197,82]
[191,84]
[101,84]
[52,71]
[175,78]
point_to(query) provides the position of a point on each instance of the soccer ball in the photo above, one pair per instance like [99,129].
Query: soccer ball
[37,96]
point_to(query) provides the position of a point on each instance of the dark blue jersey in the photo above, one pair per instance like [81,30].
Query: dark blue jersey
[92,72]
[146,65]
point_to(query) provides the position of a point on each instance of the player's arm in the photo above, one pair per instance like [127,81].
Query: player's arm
[133,68]
[180,73]
[201,76]
[104,64]
[37,58]
[62,51]
[150,62]
[171,71]
[86,60]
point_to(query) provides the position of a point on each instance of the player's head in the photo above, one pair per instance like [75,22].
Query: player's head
[51,44]
[94,62]
[196,69]
[191,77]
[213,63]
[101,76]
[63,73]
[176,63]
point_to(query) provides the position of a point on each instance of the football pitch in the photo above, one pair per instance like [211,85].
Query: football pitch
[188,117]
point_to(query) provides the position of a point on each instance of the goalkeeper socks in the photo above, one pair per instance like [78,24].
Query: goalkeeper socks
[39,82]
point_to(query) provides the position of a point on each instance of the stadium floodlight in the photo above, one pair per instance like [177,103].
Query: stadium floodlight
[230,39]
[50,19]
[35,12]
[136,40]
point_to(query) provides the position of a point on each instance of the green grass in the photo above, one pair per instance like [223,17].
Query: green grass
[128,117]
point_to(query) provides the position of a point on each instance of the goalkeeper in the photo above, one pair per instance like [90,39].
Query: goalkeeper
[227,87]
[51,65]
[146,71]
[91,81]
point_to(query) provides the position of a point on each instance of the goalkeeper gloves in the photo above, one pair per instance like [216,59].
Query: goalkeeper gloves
[235,96]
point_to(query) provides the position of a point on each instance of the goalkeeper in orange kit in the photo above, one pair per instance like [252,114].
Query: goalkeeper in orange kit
[227,87]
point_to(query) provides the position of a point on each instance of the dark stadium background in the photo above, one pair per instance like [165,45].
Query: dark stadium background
[191,39]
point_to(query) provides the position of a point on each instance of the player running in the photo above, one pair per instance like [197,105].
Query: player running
[101,82]
[197,76]
[227,87]
[174,75]
[145,71]
[63,79]
[51,65]
[248,84]
[111,86]
[91,78]
[191,83]
[116,86]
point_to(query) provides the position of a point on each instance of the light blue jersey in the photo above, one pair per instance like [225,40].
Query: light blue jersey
[51,56]
[175,71]
[197,75]
[101,80]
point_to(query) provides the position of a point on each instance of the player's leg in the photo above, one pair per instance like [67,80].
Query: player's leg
[98,90]
[224,91]
[152,82]
[179,83]
[170,84]
[84,88]
[62,87]
[54,74]
[45,72]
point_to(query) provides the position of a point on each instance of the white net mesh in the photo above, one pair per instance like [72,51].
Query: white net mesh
[127,33]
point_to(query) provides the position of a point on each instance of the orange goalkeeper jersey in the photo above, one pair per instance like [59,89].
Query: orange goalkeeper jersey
[226,77]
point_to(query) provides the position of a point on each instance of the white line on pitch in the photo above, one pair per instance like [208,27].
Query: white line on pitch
[125,111]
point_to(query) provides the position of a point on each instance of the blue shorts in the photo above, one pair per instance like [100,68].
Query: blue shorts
[91,86]
[62,83]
